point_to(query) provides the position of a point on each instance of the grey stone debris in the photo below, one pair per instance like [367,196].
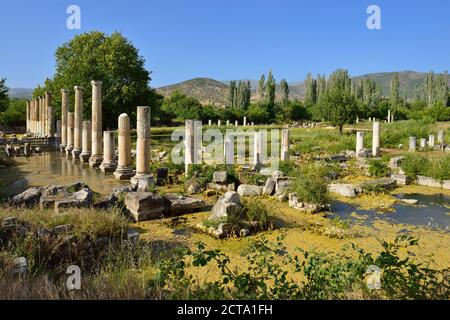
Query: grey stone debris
[20,266]
[105,203]
[401,179]
[79,199]
[338,158]
[428,182]
[345,190]
[146,205]
[182,204]
[410,201]
[28,198]
[269,187]
[295,203]
[220,177]
[383,183]
[132,236]
[146,183]
[227,205]
[396,162]
[247,190]
[221,187]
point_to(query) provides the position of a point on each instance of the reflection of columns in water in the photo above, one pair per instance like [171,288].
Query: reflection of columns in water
[63,167]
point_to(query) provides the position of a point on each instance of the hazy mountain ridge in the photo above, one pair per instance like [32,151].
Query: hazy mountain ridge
[216,92]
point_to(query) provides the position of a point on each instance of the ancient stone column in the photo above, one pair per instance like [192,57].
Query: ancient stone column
[228,123]
[219,123]
[392,118]
[376,139]
[440,137]
[50,125]
[210,122]
[27,116]
[64,110]
[359,142]
[229,149]
[389,116]
[412,144]
[50,122]
[423,143]
[285,145]
[124,170]
[236,123]
[431,141]
[96,157]
[258,148]
[109,149]
[35,117]
[70,122]
[245,121]
[86,142]
[189,142]
[357,120]
[58,130]
[142,145]
[78,124]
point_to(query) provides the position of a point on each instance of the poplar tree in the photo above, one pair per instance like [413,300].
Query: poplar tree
[395,89]
[270,89]
[284,87]
[310,90]
[262,86]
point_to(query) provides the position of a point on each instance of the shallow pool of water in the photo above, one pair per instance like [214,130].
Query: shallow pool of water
[432,211]
[52,168]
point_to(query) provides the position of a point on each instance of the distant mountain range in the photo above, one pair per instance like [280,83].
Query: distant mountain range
[216,92]
[210,91]
[20,93]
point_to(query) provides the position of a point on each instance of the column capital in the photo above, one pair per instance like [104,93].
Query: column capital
[96,82]
[65,91]
[78,88]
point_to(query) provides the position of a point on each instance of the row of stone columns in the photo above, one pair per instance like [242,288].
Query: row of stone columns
[236,123]
[40,119]
[423,142]
[375,140]
[82,139]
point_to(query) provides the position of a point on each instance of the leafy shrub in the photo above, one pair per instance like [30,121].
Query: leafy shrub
[256,211]
[439,169]
[310,185]
[414,165]
[377,168]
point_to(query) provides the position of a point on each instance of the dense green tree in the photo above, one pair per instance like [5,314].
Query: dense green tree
[4,100]
[15,113]
[262,86]
[232,94]
[270,90]
[259,113]
[310,90]
[181,107]
[338,105]
[284,88]
[111,59]
[321,86]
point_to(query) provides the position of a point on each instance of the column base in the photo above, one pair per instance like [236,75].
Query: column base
[69,151]
[95,161]
[108,167]
[84,157]
[123,173]
[142,180]
[76,153]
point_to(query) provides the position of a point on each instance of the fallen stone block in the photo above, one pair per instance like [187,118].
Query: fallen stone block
[345,190]
[247,190]
[147,205]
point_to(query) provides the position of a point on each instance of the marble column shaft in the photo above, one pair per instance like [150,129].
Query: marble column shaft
[78,122]
[96,122]
[64,110]
[285,145]
[124,170]
[86,142]
[376,139]
[70,132]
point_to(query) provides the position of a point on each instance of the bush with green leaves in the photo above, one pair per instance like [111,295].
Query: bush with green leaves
[377,168]
[415,165]
[311,186]
[324,275]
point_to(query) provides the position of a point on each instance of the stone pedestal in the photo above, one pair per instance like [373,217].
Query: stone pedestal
[423,143]
[70,121]
[142,145]
[440,137]
[431,141]
[86,142]
[412,144]
[285,145]
[359,142]
[78,122]
[124,170]
[96,122]
[376,139]
[109,147]
[64,110]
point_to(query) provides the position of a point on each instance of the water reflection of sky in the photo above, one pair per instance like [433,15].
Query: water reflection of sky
[432,211]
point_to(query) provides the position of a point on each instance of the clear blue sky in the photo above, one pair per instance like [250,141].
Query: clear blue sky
[233,39]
